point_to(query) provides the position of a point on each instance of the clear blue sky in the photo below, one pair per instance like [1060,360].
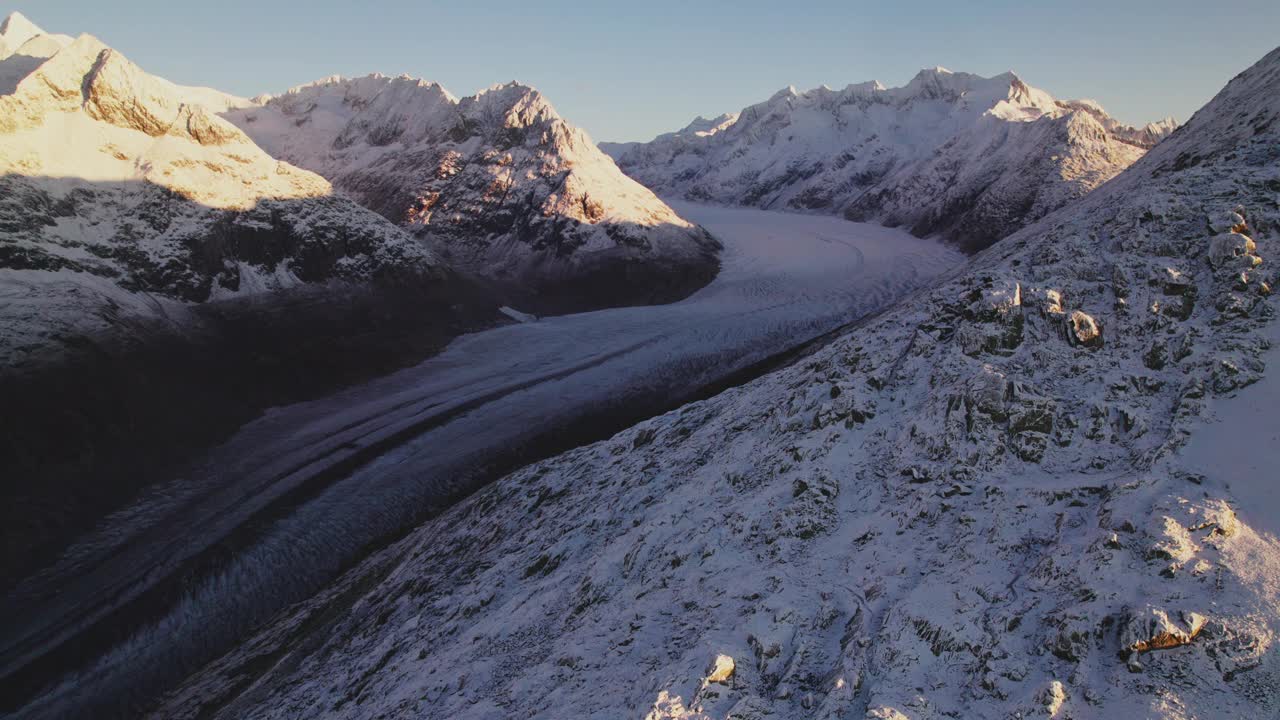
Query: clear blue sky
[629,70]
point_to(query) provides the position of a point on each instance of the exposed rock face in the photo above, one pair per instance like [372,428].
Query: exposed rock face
[1084,329]
[903,524]
[970,158]
[1152,629]
[498,184]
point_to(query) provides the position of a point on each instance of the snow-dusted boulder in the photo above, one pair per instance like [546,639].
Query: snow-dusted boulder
[1226,247]
[1152,629]
[1084,329]
[1227,221]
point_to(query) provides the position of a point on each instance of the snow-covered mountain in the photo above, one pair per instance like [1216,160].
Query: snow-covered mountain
[123,193]
[980,504]
[956,154]
[498,184]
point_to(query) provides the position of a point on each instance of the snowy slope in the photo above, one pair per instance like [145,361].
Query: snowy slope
[969,157]
[498,184]
[122,195]
[975,505]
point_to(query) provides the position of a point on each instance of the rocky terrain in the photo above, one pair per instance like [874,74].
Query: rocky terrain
[974,505]
[970,158]
[497,184]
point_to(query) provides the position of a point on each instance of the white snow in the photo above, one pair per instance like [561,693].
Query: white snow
[1239,451]
[95,141]
[996,498]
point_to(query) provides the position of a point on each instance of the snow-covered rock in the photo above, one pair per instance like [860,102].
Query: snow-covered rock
[964,156]
[498,184]
[900,525]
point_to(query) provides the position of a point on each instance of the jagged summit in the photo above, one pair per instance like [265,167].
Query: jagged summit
[708,126]
[936,83]
[952,153]
[91,82]
[787,92]
[512,104]
[870,86]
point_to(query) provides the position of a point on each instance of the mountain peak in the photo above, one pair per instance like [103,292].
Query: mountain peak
[870,86]
[1162,127]
[17,29]
[708,126]
[519,105]
[872,152]
[786,92]
[939,82]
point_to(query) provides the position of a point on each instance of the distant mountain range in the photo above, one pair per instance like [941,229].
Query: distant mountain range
[969,158]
